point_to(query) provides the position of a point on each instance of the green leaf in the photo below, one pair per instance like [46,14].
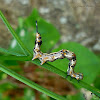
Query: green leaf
[26,37]
[6,86]
[29,94]
[31,19]
[22,46]
[8,52]
[49,33]
[87,62]
[27,32]
[19,58]
[2,75]
[44,97]
[10,63]
[78,96]
[97,82]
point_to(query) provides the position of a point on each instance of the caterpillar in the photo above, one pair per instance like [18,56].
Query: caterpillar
[44,57]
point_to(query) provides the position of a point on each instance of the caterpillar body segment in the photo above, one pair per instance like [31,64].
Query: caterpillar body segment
[78,76]
[70,71]
[44,57]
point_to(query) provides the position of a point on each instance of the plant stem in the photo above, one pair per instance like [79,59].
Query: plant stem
[64,74]
[23,47]
[19,58]
[4,51]
[30,83]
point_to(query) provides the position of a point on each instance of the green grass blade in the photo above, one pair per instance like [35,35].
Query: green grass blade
[63,74]
[4,51]
[18,58]
[50,68]
[30,83]
[25,50]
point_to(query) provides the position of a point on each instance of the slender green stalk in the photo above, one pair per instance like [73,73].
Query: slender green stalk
[63,74]
[25,50]
[55,70]
[4,51]
[90,88]
[30,83]
[50,68]
[19,58]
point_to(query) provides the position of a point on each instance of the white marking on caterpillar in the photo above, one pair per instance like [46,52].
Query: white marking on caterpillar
[44,57]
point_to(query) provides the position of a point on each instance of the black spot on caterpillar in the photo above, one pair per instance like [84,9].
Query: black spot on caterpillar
[44,57]
[39,43]
[35,41]
[39,37]
[74,58]
[72,66]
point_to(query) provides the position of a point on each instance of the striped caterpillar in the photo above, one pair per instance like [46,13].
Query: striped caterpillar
[44,57]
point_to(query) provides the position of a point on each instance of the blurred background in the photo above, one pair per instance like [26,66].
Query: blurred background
[77,21]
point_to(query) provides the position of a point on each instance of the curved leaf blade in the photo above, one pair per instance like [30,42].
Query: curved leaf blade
[87,62]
